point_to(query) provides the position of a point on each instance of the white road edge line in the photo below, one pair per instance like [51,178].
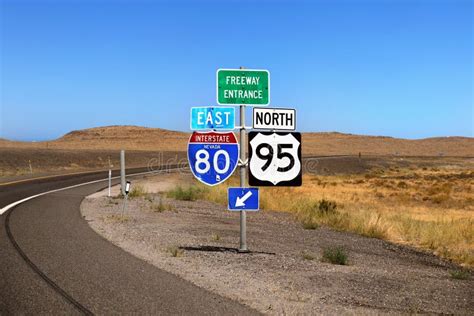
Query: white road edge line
[9,206]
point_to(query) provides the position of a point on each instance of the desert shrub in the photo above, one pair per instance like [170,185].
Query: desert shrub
[137,191]
[190,193]
[323,212]
[460,274]
[440,198]
[335,255]
[310,224]
[174,251]
[440,189]
[316,180]
[307,256]
[161,207]
[402,185]
[326,207]
[379,195]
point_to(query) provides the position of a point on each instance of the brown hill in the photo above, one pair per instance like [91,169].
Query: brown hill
[156,139]
[112,138]
[337,143]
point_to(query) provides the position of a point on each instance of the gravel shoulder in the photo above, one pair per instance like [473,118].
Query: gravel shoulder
[283,273]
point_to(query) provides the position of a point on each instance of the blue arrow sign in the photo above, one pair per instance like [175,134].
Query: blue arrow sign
[203,118]
[243,199]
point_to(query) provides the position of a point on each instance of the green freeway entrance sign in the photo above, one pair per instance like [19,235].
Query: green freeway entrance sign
[243,86]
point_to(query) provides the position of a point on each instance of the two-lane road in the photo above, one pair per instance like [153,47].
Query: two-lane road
[52,262]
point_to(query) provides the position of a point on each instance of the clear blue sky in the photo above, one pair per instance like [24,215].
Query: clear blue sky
[396,68]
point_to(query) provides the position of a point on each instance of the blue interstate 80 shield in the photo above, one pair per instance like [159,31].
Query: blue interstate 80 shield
[213,156]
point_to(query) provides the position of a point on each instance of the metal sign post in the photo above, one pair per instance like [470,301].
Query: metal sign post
[243,166]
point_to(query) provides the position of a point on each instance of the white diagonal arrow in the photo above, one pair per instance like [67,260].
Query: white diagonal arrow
[241,200]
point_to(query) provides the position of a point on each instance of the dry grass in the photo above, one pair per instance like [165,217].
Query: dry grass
[215,237]
[161,206]
[188,193]
[429,208]
[137,191]
[307,256]
[175,251]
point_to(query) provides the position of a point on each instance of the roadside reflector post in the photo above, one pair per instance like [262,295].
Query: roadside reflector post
[127,189]
[110,181]
[122,171]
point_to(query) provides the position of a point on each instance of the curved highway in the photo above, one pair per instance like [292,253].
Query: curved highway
[52,262]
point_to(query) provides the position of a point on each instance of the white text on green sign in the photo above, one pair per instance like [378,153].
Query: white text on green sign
[243,86]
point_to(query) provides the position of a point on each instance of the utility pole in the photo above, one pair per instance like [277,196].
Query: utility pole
[243,166]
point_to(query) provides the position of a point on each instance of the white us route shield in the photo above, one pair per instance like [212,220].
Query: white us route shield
[275,159]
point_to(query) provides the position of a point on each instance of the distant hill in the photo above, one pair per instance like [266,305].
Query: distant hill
[156,139]
[113,137]
[338,143]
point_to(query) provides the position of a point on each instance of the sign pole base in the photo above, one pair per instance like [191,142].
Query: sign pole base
[243,232]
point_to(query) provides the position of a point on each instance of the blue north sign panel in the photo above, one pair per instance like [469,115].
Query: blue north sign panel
[243,199]
[205,118]
[213,156]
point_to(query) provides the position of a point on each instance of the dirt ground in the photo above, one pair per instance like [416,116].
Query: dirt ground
[283,273]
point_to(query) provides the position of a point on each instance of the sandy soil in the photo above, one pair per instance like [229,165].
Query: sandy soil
[275,277]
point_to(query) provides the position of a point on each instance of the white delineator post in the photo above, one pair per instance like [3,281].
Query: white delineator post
[122,172]
[243,166]
[110,181]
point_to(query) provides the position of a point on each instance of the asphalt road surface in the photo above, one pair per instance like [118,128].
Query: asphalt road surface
[52,262]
